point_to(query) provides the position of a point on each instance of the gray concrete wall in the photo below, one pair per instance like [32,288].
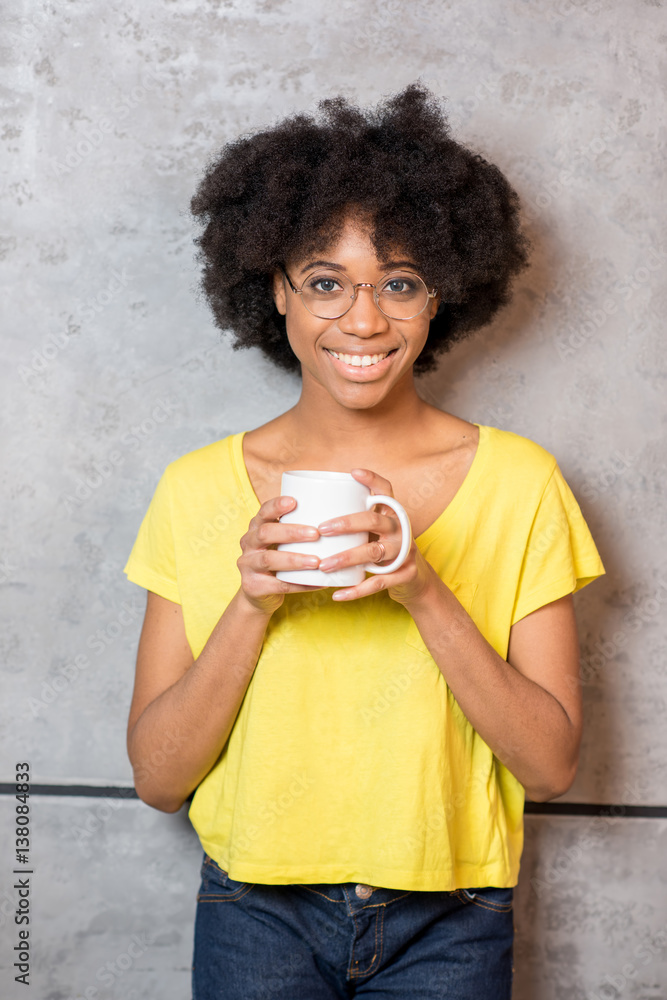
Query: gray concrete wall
[112,368]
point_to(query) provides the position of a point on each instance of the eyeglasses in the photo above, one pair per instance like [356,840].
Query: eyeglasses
[329,295]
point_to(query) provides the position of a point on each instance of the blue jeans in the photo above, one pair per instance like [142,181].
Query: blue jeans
[329,941]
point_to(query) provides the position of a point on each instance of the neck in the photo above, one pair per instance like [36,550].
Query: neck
[358,433]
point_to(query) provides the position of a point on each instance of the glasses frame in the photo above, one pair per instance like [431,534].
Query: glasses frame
[364,284]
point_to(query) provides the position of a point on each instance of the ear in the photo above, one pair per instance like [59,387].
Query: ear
[279,292]
[435,305]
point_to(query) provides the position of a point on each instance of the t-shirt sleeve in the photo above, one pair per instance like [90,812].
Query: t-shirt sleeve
[152,561]
[560,556]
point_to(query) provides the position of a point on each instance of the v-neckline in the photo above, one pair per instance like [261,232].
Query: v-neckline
[426,536]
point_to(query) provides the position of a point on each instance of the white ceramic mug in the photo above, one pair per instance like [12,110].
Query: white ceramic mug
[322,496]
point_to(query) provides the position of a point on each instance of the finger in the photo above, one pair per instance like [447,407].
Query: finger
[364,520]
[376,483]
[274,508]
[305,586]
[370,586]
[368,552]
[373,584]
[273,560]
[270,512]
[277,532]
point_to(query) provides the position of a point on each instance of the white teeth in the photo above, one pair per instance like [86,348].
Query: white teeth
[357,361]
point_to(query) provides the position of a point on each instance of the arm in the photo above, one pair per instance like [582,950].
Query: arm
[527,708]
[183,709]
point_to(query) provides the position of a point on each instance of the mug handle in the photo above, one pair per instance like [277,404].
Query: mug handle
[406,531]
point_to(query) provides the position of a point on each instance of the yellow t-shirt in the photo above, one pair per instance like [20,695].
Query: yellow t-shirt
[350,760]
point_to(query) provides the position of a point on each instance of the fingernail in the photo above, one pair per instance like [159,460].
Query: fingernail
[328,527]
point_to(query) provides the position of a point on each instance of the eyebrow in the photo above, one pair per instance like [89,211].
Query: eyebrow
[385,265]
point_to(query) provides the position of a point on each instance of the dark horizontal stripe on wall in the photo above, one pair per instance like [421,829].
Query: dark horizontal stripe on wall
[591,809]
[75,791]
[531,808]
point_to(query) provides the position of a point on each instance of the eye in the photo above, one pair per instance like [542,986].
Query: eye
[400,285]
[323,284]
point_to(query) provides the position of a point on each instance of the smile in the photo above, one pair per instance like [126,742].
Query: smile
[360,360]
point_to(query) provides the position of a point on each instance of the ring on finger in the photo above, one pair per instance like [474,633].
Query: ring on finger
[383,555]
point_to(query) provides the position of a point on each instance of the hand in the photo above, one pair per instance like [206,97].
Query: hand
[261,560]
[404,585]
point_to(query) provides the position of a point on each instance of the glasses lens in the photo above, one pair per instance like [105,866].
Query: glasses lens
[402,295]
[327,295]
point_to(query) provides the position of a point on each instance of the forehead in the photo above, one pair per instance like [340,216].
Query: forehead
[351,246]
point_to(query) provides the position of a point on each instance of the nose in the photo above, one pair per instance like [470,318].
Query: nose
[364,318]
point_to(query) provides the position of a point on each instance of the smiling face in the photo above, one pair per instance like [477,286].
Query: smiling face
[382,350]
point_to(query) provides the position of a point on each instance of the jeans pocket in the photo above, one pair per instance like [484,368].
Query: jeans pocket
[217,886]
[488,898]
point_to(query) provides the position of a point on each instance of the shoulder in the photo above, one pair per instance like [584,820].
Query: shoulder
[211,461]
[518,458]
[201,458]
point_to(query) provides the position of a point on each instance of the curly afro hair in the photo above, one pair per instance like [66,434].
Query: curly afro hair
[286,191]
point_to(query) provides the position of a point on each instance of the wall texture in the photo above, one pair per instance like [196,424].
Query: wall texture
[112,368]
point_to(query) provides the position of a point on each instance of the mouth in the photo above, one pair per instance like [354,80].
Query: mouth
[361,365]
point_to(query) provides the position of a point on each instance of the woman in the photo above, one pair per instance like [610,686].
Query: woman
[360,755]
